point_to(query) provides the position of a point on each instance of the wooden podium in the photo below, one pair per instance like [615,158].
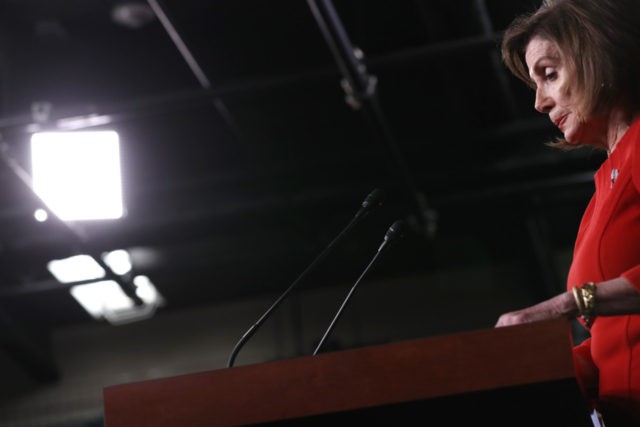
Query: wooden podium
[512,376]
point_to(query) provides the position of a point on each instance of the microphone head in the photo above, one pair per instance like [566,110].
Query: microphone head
[396,230]
[374,199]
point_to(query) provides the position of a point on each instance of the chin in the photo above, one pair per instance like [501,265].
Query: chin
[572,138]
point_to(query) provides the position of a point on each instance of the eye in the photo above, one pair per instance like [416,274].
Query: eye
[550,74]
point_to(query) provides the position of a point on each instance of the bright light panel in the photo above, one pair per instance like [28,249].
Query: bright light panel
[147,292]
[118,261]
[77,174]
[106,299]
[75,269]
[100,297]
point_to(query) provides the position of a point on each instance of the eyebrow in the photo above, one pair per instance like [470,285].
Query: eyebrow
[537,67]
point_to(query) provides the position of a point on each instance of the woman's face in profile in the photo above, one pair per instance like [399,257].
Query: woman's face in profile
[552,81]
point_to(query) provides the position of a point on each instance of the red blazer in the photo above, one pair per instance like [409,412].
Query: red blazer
[608,246]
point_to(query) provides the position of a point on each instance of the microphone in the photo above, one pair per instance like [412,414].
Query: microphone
[396,230]
[372,201]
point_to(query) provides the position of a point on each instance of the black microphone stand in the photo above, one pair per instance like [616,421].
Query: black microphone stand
[372,200]
[394,231]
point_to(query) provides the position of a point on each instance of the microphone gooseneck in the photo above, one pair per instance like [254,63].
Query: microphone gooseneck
[373,200]
[395,231]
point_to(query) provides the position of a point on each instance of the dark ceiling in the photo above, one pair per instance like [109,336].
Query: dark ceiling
[244,156]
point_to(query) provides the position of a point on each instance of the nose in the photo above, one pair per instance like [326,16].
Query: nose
[543,102]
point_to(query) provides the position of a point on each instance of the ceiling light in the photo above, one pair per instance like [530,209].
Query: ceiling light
[77,174]
[75,269]
[40,215]
[118,261]
[106,300]
[147,292]
[100,297]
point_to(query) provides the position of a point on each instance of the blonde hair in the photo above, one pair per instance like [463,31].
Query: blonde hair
[599,41]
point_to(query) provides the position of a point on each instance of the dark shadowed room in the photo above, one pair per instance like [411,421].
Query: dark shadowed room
[294,180]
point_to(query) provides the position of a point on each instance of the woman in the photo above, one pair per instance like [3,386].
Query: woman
[582,58]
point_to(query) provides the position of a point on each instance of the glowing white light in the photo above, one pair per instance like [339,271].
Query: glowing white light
[75,269]
[100,297]
[119,261]
[77,174]
[41,215]
[147,292]
[105,299]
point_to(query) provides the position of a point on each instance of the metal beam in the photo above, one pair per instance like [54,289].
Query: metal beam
[494,55]
[360,88]
[136,108]
[195,68]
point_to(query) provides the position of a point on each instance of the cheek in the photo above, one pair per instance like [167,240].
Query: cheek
[567,101]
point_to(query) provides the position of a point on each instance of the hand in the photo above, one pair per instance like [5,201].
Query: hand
[516,318]
[562,305]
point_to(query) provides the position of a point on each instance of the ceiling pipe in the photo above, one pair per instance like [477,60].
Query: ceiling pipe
[360,89]
[178,100]
[195,68]
[496,61]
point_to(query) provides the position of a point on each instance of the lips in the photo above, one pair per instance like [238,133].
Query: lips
[560,121]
